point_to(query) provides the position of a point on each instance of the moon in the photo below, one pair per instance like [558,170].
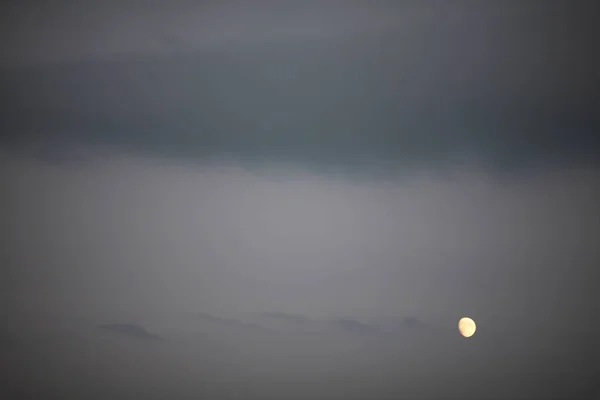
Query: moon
[467,327]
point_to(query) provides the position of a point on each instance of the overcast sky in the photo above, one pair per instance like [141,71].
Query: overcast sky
[417,159]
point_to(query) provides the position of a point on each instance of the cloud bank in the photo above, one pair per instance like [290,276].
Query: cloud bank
[508,87]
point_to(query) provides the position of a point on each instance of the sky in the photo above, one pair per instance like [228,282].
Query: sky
[263,197]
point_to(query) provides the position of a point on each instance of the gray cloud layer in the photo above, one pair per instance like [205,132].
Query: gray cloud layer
[278,282]
[348,85]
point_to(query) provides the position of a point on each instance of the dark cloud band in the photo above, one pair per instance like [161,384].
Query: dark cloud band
[507,88]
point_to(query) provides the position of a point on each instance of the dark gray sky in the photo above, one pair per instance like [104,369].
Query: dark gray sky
[341,160]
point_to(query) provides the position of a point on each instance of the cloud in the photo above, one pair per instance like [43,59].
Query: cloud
[389,328]
[354,326]
[45,36]
[413,323]
[129,330]
[399,325]
[286,317]
[212,322]
[436,88]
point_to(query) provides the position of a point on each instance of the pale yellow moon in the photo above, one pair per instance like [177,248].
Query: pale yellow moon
[466,327]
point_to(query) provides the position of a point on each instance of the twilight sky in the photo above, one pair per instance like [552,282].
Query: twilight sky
[325,161]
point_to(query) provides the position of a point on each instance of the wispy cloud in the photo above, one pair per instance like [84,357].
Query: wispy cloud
[130,331]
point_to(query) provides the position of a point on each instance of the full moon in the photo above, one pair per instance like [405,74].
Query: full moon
[466,327]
